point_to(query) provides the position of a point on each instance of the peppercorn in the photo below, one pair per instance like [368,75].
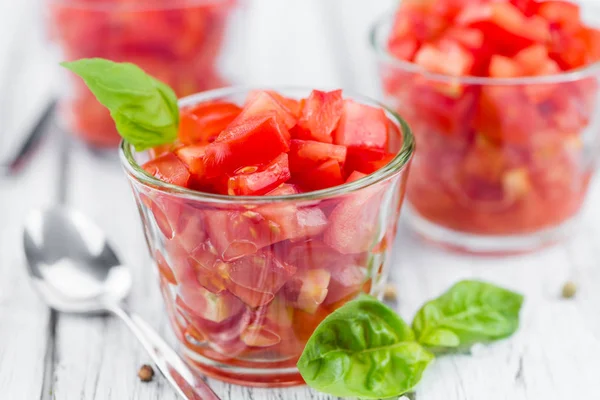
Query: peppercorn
[146,373]
[569,290]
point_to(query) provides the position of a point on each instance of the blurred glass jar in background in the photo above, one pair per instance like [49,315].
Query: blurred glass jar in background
[178,41]
[502,165]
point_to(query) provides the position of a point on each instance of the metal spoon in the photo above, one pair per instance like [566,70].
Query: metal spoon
[75,270]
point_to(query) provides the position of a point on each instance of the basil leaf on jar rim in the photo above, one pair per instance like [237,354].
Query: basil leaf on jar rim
[469,312]
[363,349]
[144,109]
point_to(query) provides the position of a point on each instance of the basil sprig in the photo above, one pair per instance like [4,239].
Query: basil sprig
[144,109]
[364,349]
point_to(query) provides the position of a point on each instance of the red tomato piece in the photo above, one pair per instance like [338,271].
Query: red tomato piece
[253,141]
[255,279]
[366,160]
[196,266]
[164,269]
[262,103]
[346,281]
[321,114]
[285,189]
[527,7]
[202,123]
[255,181]
[193,157]
[308,289]
[354,176]
[236,234]
[505,26]
[532,59]
[448,58]
[294,223]
[562,13]
[308,154]
[403,48]
[168,168]
[353,222]
[362,125]
[326,175]
[504,67]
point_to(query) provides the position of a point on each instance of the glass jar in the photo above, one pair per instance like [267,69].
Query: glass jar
[246,279]
[179,42]
[503,165]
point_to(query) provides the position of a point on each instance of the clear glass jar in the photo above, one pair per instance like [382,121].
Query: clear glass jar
[178,41]
[503,165]
[246,279]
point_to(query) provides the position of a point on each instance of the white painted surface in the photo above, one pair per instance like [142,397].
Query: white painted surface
[555,355]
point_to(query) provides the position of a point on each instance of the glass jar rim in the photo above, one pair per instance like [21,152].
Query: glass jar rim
[378,45]
[394,167]
[146,5]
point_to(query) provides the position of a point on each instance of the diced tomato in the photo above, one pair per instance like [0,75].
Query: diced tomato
[254,181]
[562,13]
[448,58]
[308,289]
[532,59]
[236,234]
[285,189]
[366,160]
[255,279]
[471,39]
[263,103]
[403,48]
[253,141]
[527,7]
[193,157]
[504,67]
[309,154]
[291,222]
[168,168]
[208,305]
[202,123]
[326,175]
[362,125]
[196,266]
[414,21]
[256,335]
[346,281]
[354,176]
[320,115]
[505,26]
[353,223]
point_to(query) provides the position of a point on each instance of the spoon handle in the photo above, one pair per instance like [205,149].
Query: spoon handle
[185,381]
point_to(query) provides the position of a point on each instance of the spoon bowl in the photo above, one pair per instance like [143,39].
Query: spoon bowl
[71,263]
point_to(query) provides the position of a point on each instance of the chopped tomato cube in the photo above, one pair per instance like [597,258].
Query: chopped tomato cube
[562,13]
[532,59]
[354,176]
[321,114]
[263,103]
[309,154]
[202,123]
[403,48]
[255,279]
[504,67]
[362,125]
[326,175]
[447,58]
[193,157]
[253,181]
[308,289]
[366,160]
[168,168]
[253,141]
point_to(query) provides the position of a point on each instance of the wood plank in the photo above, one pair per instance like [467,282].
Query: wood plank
[24,319]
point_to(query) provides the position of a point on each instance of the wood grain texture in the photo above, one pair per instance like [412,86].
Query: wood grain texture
[555,354]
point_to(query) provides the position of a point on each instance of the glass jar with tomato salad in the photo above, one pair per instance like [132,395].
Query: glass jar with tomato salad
[246,279]
[179,42]
[504,162]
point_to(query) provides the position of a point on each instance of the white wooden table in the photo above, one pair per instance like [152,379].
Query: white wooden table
[555,354]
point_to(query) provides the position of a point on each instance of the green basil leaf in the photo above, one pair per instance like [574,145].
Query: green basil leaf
[468,313]
[144,109]
[363,349]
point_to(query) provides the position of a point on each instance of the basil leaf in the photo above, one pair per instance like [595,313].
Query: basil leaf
[363,349]
[144,109]
[469,312]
